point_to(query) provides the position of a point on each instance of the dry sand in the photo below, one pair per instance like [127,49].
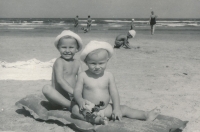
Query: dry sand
[159,71]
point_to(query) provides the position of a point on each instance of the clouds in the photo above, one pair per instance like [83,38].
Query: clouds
[100,8]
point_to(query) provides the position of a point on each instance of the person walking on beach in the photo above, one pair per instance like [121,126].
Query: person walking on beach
[65,71]
[152,21]
[122,40]
[89,23]
[76,24]
[132,24]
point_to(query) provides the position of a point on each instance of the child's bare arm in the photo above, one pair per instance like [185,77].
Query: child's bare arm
[78,91]
[58,69]
[115,98]
[113,92]
[80,69]
[125,40]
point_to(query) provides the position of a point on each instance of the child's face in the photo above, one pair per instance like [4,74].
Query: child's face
[97,62]
[67,48]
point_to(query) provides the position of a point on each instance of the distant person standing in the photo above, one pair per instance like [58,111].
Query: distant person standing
[76,24]
[152,21]
[89,23]
[132,24]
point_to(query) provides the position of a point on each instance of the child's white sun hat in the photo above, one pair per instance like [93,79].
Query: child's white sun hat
[132,33]
[94,45]
[69,33]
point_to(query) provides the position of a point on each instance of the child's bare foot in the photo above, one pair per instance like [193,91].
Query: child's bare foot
[151,115]
[103,120]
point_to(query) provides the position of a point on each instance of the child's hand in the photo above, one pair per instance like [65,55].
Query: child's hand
[83,104]
[117,114]
[71,96]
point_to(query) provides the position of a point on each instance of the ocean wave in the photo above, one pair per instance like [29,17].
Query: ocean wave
[27,64]
[37,21]
[82,24]
[32,69]
[23,28]
[85,20]
[116,21]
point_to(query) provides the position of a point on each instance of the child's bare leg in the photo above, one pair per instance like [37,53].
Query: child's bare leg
[55,97]
[139,114]
[97,120]
[151,115]
[153,29]
[133,113]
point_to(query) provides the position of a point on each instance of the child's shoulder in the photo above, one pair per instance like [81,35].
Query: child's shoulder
[60,61]
[82,74]
[108,74]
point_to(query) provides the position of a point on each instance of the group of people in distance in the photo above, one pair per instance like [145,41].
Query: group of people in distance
[121,40]
[87,94]
[76,24]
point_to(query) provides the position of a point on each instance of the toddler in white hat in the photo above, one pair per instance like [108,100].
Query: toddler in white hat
[65,70]
[96,86]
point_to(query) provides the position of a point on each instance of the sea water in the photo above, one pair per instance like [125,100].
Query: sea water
[98,23]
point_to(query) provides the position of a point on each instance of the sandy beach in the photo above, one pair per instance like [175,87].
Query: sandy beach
[160,70]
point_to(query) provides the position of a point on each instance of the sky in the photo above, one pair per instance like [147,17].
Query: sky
[99,8]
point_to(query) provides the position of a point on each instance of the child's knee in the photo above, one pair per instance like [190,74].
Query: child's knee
[46,89]
[75,110]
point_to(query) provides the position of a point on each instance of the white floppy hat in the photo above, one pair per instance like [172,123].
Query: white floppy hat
[69,33]
[94,45]
[132,33]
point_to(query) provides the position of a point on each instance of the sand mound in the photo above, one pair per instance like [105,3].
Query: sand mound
[32,69]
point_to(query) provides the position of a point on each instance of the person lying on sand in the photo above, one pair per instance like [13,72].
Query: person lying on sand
[122,40]
[95,87]
[65,70]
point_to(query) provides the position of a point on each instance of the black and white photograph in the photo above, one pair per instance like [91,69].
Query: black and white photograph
[99,65]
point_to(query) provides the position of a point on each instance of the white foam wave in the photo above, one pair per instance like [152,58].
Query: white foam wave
[37,21]
[116,25]
[26,70]
[85,20]
[194,24]
[86,24]
[21,28]
[115,21]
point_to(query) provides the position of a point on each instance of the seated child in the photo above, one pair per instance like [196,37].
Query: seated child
[65,70]
[96,85]
[122,40]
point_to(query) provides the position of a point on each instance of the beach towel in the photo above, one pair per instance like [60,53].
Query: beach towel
[40,108]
